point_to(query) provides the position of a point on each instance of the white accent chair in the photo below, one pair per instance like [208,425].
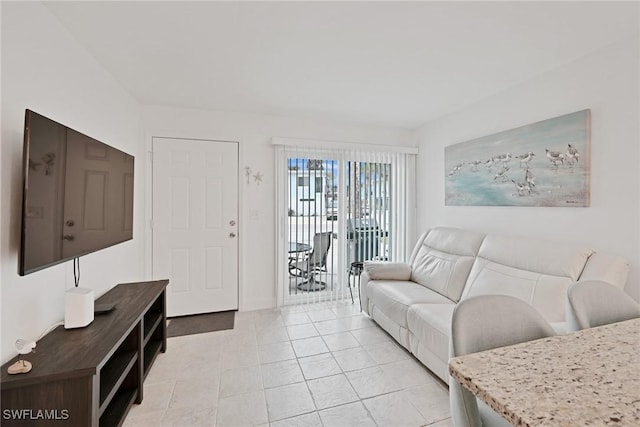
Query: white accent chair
[595,303]
[482,323]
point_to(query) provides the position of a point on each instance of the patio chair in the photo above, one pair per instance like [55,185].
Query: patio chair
[314,263]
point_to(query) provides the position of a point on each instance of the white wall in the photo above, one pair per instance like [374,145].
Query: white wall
[605,81]
[254,133]
[45,70]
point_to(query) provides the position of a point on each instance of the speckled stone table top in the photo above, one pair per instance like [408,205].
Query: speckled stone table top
[586,378]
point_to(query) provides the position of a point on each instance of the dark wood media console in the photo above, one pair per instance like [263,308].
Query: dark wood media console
[91,376]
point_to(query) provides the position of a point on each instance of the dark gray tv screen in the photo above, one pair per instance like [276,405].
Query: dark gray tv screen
[77,196]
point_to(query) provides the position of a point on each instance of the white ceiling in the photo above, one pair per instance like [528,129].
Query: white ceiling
[388,63]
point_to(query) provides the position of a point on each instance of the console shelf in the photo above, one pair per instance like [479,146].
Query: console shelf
[150,353]
[118,408]
[150,325]
[91,376]
[111,378]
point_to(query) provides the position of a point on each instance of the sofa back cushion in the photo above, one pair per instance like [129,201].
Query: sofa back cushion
[442,259]
[536,271]
[612,269]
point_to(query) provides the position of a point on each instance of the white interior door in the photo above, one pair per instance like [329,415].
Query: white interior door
[195,215]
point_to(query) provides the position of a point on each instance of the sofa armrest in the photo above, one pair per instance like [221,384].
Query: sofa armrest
[382,270]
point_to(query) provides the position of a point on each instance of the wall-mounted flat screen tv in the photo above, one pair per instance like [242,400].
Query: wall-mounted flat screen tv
[77,196]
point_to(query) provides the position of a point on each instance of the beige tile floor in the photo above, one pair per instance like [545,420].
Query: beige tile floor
[320,365]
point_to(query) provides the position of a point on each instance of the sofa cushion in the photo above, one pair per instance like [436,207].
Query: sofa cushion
[538,272]
[431,325]
[542,256]
[393,298]
[612,269]
[443,258]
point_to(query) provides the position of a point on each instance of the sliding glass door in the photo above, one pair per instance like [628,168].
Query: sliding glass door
[313,229]
[338,212]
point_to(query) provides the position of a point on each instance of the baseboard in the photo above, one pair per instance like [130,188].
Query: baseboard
[258,304]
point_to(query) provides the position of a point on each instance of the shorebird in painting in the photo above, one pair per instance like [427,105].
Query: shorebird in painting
[525,158]
[529,177]
[456,169]
[521,187]
[572,154]
[555,157]
[502,158]
[474,165]
[502,175]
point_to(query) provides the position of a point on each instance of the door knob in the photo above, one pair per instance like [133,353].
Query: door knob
[232,235]
[68,237]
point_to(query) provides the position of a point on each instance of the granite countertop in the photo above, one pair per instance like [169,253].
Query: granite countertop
[586,378]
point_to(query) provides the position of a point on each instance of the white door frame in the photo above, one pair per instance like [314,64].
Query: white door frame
[148,202]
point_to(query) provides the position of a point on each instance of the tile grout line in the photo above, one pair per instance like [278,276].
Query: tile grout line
[275,318]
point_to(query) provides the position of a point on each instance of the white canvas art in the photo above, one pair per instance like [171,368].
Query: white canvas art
[541,164]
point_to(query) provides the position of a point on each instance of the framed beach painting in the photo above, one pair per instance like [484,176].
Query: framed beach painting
[541,164]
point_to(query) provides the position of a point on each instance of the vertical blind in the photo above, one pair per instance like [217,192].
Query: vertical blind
[349,204]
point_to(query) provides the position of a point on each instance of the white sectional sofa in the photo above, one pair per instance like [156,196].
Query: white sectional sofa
[414,301]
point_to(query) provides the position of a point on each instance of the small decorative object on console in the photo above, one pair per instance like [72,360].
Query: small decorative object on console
[22,366]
